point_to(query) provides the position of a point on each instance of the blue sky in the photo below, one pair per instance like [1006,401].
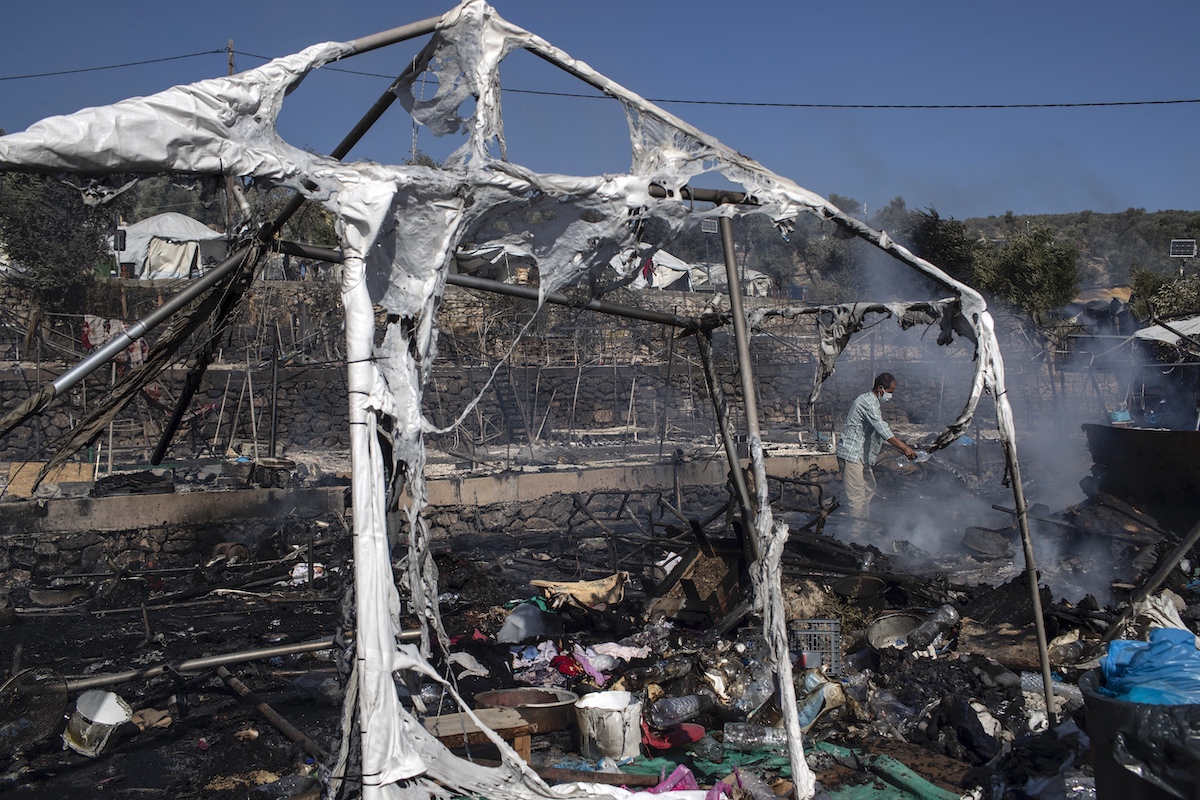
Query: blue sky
[963,162]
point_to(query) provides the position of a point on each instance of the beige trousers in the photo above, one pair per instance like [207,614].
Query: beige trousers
[858,483]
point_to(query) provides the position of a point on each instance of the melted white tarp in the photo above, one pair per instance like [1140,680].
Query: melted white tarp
[1170,332]
[400,227]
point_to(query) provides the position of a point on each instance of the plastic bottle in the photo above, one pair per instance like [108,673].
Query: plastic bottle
[674,710]
[747,737]
[708,749]
[753,785]
[1068,653]
[658,672]
[825,698]
[940,622]
[891,715]
[1073,696]
[758,690]
[857,685]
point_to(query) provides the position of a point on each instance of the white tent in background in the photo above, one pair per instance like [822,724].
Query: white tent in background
[170,245]
[712,278]
[1170,332]
[664,271]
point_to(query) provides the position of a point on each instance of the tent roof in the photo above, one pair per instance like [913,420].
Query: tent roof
[174,226]
[170,226]
[1157,333]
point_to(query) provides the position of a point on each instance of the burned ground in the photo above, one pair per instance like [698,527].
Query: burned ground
[215,743]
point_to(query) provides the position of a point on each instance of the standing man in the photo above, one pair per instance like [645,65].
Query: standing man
[862,437]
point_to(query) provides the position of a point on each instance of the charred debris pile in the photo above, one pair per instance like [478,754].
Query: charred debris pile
[620,650]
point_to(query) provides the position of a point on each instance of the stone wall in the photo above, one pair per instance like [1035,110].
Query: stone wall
[575,373]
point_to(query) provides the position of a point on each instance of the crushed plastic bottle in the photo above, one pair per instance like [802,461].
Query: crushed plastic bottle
[1071,694]
[890,714]
[921,457]
[748,737]
[671,711]
[668,668]
[708,749]
[857,685]
[825,698]
[757,690]
[938,624]
[1068,653]
[753,785]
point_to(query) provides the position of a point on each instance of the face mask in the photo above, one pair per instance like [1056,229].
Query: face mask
[886,397]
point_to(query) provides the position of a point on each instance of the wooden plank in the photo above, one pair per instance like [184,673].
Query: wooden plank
[458,730]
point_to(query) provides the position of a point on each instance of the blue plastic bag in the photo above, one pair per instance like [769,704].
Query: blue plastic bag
[1162,671]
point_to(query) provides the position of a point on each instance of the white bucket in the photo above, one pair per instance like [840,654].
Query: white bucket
[97,715]
[610,725]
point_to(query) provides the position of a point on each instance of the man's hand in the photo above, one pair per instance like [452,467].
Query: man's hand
[910,453]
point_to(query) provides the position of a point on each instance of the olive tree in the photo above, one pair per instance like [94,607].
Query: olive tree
[54,241]
[1030,269]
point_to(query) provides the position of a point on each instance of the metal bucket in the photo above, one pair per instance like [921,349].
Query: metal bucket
[97,715]
[610,725]
[887,630]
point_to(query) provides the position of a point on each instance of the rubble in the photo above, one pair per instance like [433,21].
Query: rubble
[956,713]
[667,634]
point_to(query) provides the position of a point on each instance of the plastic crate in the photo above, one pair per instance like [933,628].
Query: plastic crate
[819,636]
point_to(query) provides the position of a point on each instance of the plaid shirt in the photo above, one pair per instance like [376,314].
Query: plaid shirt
[864,432]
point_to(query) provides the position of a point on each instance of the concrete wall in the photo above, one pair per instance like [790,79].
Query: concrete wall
[42,538]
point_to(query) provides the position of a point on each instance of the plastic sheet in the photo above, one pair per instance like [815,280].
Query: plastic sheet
[1162,671]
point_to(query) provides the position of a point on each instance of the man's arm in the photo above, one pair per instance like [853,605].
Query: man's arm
[909,453]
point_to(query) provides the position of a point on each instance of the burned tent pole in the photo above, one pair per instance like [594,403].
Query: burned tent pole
[117,344]
[512,290]
[271,715]
[746,372]
[270,230]
[721,409]
[1039,623]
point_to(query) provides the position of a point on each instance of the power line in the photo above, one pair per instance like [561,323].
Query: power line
[873,105]
[748,104]
[110,66]
[665,100]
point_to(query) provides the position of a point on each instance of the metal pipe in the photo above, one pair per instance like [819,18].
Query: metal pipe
[512,290]
[199,664]
[717,196]
[374,41]
[275,396]
[740,333]
[111,348]
[721,410]
[271,715]
[209,662]
[1039,624]
[746,373]
[556,298]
